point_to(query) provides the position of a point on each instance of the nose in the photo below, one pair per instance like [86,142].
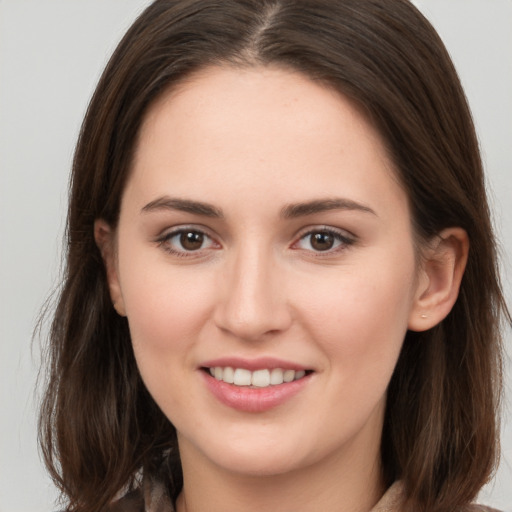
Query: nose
[253,303]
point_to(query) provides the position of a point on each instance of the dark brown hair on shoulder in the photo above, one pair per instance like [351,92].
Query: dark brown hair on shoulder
[100,430]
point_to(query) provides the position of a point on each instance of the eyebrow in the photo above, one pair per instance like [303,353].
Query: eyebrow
[288,212]
[322,205]
[183,205]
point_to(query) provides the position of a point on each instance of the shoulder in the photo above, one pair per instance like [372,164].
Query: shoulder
[149,498]
[393,501]
[478,508]
[131,502]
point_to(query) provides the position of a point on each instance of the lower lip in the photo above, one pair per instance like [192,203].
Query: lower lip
[249,399]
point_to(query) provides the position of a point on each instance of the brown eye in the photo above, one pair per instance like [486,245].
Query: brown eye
[322,241]
[183,242]
[191,240]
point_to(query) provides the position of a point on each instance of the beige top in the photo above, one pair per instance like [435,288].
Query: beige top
[391,501]
[156,499]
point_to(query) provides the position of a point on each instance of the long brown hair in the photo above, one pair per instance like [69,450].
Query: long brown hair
[99,427]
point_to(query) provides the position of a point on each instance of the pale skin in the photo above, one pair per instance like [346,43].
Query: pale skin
[302,250]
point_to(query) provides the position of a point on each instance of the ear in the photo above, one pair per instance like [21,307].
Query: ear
[444,262]
[105,240]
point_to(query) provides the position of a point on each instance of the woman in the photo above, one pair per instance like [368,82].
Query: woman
[281,288]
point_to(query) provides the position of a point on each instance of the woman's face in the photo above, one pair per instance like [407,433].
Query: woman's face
[263,237]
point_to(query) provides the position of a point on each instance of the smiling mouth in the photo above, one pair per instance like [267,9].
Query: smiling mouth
[256,379]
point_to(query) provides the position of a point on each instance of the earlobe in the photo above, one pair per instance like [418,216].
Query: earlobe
[444,262]
[105,240]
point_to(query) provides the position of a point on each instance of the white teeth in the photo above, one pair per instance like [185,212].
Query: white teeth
[259,378]
[242,377]
[276,376]
[288,375]
[228,375]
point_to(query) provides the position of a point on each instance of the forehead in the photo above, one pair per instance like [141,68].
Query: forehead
[277,97]
[259,129]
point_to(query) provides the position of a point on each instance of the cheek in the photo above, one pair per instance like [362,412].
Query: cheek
[361,313]
[166,307]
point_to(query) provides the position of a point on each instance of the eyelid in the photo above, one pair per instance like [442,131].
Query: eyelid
[345,237]
[178,228]
[170,233]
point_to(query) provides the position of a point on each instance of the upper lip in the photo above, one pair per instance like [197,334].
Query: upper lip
[259,363]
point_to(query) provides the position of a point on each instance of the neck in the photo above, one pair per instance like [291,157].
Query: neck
[341,482]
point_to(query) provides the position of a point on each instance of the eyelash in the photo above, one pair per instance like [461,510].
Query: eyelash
[344,241]
[165,242]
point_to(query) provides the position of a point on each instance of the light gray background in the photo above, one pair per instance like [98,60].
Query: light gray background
[51,55]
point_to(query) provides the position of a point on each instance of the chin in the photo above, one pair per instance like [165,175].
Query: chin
[247,457]
[258,466]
